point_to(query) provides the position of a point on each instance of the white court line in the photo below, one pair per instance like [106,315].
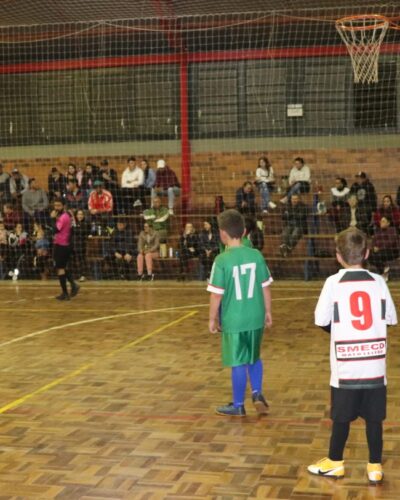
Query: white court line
[121,315]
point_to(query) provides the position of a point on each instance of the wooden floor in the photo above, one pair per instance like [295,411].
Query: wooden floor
[112,395]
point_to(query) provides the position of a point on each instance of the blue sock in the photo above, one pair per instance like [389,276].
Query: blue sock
[239,382]
[256,375]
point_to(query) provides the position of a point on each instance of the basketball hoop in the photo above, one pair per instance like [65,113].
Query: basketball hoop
[363,36]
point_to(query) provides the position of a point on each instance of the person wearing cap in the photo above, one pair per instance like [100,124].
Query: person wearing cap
[56,184]
[299,179]
[131,182]
[19,183]
[365,192]
[166,184]
[100,203]
[35,204]
[5,195]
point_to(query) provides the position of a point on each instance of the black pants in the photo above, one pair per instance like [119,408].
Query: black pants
[184,257]
[382,257]
[61,256]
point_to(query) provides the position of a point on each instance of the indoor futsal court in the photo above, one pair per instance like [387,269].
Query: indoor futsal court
[127,129]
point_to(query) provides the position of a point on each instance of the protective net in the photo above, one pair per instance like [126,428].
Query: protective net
[177,110]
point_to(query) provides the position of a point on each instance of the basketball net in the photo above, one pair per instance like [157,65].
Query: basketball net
[363,36]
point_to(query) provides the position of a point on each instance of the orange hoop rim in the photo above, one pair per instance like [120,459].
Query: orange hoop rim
[382,22]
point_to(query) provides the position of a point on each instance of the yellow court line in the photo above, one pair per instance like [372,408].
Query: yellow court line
[83,368]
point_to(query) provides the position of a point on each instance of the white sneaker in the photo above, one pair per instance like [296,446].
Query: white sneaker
[272,205]
[327,468]
[171,211]
[82,278]
[265,212]
[137,203]
[375,473]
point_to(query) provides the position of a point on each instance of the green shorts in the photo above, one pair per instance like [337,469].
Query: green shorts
[241,348]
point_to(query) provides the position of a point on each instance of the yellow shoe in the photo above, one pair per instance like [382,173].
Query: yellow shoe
[327,468]
[375,473]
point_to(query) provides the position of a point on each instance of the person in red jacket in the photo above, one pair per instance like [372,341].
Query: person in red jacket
[385,247]
[167,184]
[388,209]
[100,203]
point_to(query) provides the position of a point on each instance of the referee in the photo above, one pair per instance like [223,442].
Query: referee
[62,249]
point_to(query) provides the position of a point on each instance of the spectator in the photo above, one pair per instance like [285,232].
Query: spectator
[265,182]
[10,216]
[19,183]
[157,217]
[245,199]
[73,196]
[131,182]
[299,179]
[72,173]
[41,260]
[100,203]
[110,179]
[188,249]
[122,250]
[365,192]
[3,249]
[35,205]
[149,180]
[148,249]
[208,248]
[166,184]
[80,234]
[56,184]
[295,224]
[385,246]
[89,176]
[5,195]
[254,233]
[389,210]
[339,196]
[355,215]
[18,249]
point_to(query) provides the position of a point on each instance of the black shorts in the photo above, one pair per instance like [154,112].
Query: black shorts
[349,404]
[61,255]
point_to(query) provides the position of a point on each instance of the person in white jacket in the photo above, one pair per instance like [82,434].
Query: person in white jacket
[131,182]
[265,182]
[299,179]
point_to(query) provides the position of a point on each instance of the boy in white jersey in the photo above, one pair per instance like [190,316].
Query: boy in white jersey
[240,281]
[355,306]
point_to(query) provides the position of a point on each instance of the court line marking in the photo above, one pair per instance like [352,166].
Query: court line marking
[86,366]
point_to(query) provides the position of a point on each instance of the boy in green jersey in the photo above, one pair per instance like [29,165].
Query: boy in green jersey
[240,282]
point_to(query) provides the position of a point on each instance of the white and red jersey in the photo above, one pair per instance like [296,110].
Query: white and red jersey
[358,306]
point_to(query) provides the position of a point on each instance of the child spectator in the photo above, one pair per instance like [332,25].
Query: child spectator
[240,282]
[188,249]
[385,246]
[80,233]
[388,209]
[18,249]
[208,247]
[265,182]
[295,224]
[41,259]
[148,249]
[355,306]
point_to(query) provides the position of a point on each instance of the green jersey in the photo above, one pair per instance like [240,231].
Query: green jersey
[245,242]
[240,274]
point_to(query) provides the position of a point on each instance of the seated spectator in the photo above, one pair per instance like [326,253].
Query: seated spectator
[89,176]
[245,199]
[208,248]
[110,179]
[299,179]
[100,204]
[73,196]
[80,234]
[339,196]
[254,233]
[5,195]
[385,246]
[18,250]
[188,249]
[72,173]
[355,215]
[41,261]
[56,184]
[166,184]
[149,180]
[265,183]
[11,217]
[131,182]
[158,218]
[19,183]
[3,249]
[365,192]
[389,210]
[35,204]
[295,224]
[148,249]
[122,250]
